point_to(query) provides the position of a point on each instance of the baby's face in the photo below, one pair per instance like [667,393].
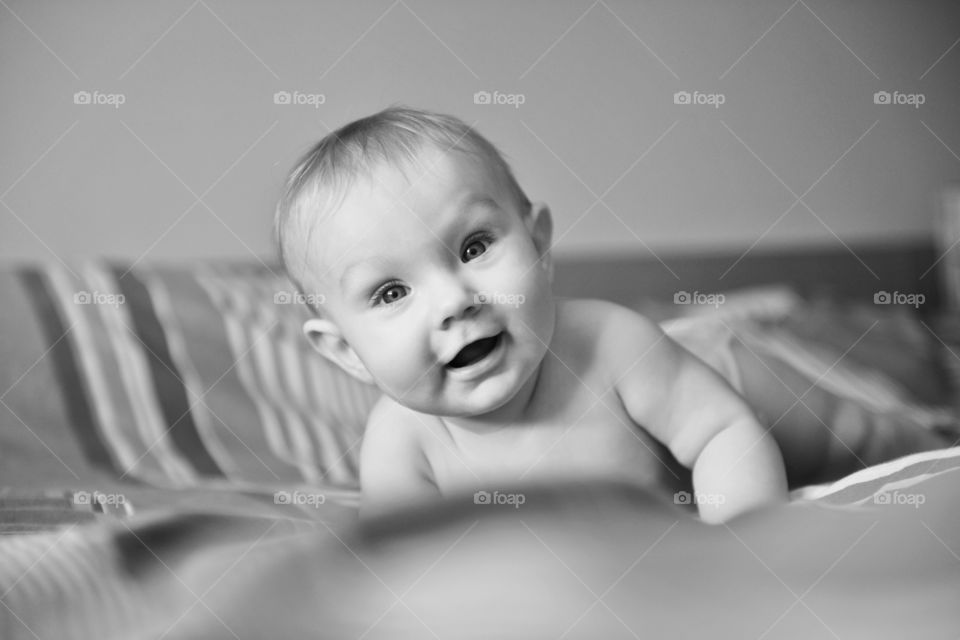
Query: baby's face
[436,284]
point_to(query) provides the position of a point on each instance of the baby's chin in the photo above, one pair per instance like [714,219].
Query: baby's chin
[483,399]
[477,403]
[456,400]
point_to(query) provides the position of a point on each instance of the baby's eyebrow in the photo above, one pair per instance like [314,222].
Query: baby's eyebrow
[476,201]
[352,268]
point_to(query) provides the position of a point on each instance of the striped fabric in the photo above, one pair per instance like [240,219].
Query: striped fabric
[64,572]
[868,388]
[874,484]
[861,396]
[121,581]
[179,377]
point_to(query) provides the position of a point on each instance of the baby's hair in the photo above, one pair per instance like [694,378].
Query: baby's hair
[395,136]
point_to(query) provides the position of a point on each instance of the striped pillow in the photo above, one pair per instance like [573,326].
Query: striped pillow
[178,376]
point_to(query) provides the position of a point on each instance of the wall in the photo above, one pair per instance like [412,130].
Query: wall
[189,165]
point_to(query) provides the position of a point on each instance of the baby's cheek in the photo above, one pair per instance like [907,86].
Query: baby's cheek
[534,289]
[403,362]
[517,280]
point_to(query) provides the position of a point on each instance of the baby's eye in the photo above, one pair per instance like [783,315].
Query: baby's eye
[389,293]
[475,248]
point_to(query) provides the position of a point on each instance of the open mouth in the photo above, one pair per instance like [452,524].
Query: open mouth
[475,352]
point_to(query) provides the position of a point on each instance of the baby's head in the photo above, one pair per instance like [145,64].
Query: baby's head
[433,266]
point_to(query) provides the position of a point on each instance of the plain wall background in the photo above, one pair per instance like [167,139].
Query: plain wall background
[191,164]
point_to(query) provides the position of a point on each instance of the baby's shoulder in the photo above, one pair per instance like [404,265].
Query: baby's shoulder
[393,443]
[390,433]
[393,464]
[614,335]
[390,419]
[605,322]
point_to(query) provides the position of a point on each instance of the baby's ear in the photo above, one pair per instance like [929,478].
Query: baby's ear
[326,338]
[540,225]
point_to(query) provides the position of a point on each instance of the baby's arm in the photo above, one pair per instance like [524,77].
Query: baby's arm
[707,426]
[393,467]
[737,466]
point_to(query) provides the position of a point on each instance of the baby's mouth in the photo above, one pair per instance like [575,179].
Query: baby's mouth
[475,352]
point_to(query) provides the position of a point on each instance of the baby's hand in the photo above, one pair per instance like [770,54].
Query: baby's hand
[739,469]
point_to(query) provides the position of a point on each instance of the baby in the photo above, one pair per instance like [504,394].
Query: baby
[435,273]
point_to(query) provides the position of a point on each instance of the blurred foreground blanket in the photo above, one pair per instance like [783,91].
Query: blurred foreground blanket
[577,561]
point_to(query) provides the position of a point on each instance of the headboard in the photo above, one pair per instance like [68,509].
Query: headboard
[853,275]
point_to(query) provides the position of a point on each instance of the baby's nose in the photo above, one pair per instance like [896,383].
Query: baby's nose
[455,302]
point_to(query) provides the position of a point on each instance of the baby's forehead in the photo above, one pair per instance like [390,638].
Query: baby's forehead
[396,193]
[435,179]
[435,167]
